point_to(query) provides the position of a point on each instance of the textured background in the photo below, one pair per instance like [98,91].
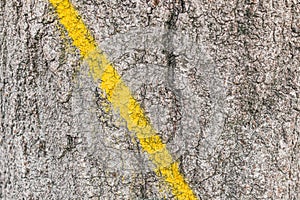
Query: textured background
[219,80]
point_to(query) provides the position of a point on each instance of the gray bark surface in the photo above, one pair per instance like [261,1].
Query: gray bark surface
[219,80]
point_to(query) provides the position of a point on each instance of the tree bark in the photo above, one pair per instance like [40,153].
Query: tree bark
[219,81]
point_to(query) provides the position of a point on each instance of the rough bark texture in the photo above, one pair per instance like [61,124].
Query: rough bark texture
[226,100]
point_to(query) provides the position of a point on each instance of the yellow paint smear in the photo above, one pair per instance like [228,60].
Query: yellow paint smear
[122,100]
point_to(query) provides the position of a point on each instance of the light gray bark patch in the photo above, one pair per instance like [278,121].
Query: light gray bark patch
[237,69]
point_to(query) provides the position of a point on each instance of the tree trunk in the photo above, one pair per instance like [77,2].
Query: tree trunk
[219,81]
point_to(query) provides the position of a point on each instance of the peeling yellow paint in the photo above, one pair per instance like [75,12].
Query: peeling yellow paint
[122,100]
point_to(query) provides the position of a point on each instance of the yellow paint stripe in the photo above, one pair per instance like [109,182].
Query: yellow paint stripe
[122,100]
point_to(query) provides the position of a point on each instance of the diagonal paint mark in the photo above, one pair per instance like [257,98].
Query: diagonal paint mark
[122,100]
